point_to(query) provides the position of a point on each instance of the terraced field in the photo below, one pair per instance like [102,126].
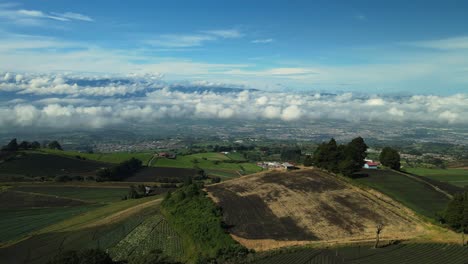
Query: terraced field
[403,253]
[417,195]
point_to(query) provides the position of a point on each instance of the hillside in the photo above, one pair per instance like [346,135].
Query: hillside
[35,164]
[274,209]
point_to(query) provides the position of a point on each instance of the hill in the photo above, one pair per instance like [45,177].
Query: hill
[275,209]
[35,164]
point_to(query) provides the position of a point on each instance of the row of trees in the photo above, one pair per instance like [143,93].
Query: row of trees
[346,159]
[121,171]
[456,214]
[26,145]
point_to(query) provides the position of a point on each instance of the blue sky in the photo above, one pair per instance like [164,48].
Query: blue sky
[381,47]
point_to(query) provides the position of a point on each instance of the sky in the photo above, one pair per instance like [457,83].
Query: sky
[418,49]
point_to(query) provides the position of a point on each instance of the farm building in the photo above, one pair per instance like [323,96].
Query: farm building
[371,165]
[288,166]
[167,155]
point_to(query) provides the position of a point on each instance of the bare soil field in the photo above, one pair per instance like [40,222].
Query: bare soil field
[274,209]
[161,174]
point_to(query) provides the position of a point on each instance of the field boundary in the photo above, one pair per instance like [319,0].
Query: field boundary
[425,182]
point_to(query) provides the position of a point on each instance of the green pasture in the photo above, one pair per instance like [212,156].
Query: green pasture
[457,177]
[91,194]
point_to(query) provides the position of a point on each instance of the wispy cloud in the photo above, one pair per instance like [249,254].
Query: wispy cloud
[225,33]
[360,17]
[11,13]
[193,40]
[262,41]
[454,43]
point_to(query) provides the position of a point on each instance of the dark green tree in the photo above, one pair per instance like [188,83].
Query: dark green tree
[11,146]
[291,154]
[456,214]
[54,145]
[308,161]
[24,145]
[88,256]
[390,157]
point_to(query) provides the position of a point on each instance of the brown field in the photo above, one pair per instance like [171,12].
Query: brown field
[275,209]
[161,174]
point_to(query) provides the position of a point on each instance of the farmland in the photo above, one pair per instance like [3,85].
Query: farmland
[274,209]
[162,174]
[457,177]
[47,165]
[115,157]
[216,164]
[400,253]
[102,227]
[86,193]
[417,195]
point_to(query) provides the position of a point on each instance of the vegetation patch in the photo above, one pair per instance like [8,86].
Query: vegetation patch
[456,177]
[15,199]
[417,195]
[199,221]
[162,174]
[91,194]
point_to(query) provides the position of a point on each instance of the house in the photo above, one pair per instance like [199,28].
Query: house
[167,155]
[371,165]
[288,166]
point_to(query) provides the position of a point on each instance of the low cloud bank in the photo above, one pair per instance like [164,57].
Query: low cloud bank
[61,101]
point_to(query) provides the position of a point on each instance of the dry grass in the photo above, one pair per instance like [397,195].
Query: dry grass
[330,209]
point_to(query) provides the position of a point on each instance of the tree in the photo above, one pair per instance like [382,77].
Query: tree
[291,154]
[54,145]
[378,230]
[88,256]
[308,161]
[390,157]
[24,145]
[456,214]
[11,146]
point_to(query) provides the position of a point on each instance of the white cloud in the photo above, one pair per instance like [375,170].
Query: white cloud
[180,41]
[74,16]
[225,33]
[27,17]
[263,41]
[454,43]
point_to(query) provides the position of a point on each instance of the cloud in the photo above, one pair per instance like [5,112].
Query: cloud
[27,17]
[64,101]
[225,33]
[360,17]
[455,43]
[262,41]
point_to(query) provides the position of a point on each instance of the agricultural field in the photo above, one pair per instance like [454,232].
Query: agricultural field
[85,193]
[102,227]
[456,177]
[216,164]
[162,174]
[116,157]
[365,254]
[417,195]
[154,233]
[275,209]
[33,164]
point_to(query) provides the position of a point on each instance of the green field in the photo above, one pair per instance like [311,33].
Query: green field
[16,223]
[402,253]
[416,195]
[457,177]
[47,165]
[91,194]
[116,157]
[215,164]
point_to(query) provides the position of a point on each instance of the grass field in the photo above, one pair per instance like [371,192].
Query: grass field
[417,195]
[365,254]
[457,177]
[116,157]
[48,165]
[216,164]
[91,194]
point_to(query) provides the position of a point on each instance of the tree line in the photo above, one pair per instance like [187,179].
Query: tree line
[346,159]
[120,171]
[26,145]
